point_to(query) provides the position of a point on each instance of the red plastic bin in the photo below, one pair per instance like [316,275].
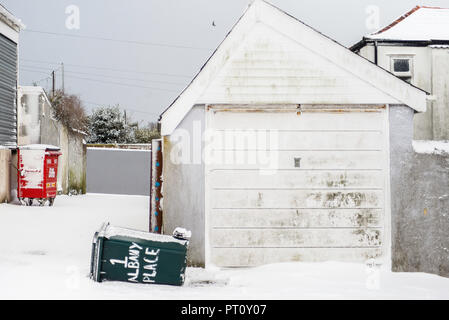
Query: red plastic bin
[37,174]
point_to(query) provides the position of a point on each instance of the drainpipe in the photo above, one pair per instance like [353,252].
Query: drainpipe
[432,103]
[375,53]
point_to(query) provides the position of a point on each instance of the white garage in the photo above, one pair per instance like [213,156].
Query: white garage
[294,148]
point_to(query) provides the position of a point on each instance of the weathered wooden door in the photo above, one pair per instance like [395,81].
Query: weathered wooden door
[288,186]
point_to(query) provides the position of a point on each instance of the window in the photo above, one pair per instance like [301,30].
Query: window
[402,67]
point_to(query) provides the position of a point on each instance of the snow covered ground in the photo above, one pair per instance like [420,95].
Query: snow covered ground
[45,254]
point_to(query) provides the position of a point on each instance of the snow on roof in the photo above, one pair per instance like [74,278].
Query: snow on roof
[31,89]
[422,23]
[39,147]
[6,15]
[431,147]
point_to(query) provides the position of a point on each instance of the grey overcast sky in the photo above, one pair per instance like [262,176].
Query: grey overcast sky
[144,78]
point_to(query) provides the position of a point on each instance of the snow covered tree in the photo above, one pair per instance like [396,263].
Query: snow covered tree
[109,125]
[147,134]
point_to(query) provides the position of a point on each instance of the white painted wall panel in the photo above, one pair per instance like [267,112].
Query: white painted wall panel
[305,122]
[238,257]
[270,67]
[297,218]
[292,238]
[296,198]
[325,178]
[288,140]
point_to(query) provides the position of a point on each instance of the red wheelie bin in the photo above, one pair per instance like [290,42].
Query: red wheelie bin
[37,174]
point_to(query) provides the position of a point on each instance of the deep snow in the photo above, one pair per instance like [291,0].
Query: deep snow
[45,254]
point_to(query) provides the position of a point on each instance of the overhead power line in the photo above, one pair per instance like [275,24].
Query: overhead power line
[127,109]
[109,82]
[123,84]
[109,69]
[29,68]
[39,81]
[144,43]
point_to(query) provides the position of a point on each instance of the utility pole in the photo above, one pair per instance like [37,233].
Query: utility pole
[53,83]
[62,69]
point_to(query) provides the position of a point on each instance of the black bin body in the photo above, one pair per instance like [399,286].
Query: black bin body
[120,254]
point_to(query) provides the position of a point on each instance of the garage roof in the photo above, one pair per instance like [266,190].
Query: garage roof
[262,12]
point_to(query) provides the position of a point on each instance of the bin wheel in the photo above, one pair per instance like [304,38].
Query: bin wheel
[51,201]
[41,202]
[29,202]
[21,201]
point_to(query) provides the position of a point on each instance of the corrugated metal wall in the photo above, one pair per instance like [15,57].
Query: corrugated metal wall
[8,86]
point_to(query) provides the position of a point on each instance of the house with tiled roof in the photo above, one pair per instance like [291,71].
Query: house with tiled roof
[415,47]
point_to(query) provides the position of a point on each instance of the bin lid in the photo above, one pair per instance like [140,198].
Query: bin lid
[109,231]
[45,147]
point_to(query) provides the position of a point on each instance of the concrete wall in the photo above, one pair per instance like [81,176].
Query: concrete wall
[419,202]
[49,131]
[117,171]
[63,167]
[183,186]
[5,158]
[77,163]
[13,176]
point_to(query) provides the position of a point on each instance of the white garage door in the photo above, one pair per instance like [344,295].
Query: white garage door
[283,186]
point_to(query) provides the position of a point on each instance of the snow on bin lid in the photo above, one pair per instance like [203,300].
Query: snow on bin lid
[40,147]
[110,231]
[181,233]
